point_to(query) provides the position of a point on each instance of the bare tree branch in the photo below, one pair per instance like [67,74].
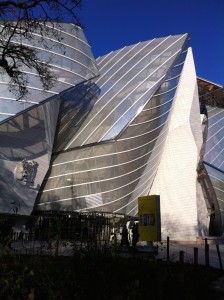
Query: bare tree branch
[20,20]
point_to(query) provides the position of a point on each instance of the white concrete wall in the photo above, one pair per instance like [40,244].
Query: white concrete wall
[176,179]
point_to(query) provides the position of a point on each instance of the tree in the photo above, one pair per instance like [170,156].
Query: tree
[19,21]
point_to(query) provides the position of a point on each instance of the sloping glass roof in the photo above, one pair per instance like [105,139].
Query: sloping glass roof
[71,60]
[128,79]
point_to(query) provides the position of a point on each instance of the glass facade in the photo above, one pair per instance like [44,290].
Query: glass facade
[27,127]
[71,61]
[212,106]
[94,143]
[108,154]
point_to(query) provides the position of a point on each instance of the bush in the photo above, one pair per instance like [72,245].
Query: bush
[99,275]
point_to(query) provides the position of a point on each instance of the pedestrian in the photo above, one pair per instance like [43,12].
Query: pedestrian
[124,238]
[135,236]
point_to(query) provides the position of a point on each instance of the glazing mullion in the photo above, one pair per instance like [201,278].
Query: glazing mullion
[112,97]
[108,137]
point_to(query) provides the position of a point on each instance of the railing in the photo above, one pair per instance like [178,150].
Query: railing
[208,251]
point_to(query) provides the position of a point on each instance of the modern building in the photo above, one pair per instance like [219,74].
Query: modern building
[28,127]
[134,122]
[210,169]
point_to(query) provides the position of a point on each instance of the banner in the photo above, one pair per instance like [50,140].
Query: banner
[149,223]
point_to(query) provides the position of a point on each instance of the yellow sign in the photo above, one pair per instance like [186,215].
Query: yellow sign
[149,225]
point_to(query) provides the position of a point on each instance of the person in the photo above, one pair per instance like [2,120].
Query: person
[25,232]
[135,236]
[124,238]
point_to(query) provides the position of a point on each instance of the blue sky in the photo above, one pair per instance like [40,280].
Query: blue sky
[110,25]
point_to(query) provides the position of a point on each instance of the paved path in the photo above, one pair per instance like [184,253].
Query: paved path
[187,249]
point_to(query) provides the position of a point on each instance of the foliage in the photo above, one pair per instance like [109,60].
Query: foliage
[100,275]
[20,21]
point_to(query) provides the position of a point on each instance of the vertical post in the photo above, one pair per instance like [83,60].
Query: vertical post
[181,257]
[195,256]
[219,256]
[206,253]
[168,249]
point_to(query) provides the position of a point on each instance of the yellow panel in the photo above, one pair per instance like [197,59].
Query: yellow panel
[149,218]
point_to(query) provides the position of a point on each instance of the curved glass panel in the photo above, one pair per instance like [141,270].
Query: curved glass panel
[25,152]
[131,102]
[130,79]
[70,59]
[215,137]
